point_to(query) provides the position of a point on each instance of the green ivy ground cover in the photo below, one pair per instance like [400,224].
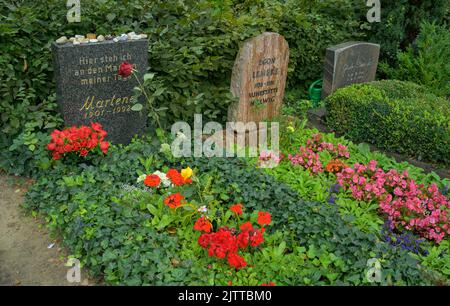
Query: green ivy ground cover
[104,220]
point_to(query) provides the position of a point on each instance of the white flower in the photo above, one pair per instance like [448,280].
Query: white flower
[164,179]
[141,178]
[202,209]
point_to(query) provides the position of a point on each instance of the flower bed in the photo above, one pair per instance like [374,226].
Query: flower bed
[415,204]
[139,216]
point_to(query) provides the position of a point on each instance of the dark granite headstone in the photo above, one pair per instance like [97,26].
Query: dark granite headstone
[89,88]
[349,63]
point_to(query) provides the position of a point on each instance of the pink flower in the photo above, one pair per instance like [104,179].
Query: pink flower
[398,192]
[406,204]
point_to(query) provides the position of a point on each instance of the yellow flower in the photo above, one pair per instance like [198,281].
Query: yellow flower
[186,173]
[290,129]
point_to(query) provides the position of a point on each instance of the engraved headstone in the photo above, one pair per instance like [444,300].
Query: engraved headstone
[89,88]
[349,63]
[259,78]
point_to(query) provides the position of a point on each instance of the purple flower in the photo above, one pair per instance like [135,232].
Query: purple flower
[335,188]
[332,199]
[406,241]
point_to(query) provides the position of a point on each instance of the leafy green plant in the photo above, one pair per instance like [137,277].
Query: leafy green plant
[425,62]
[295,103]
[400,24]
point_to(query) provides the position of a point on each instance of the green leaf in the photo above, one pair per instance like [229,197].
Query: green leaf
[148,76]
[311,252]
[165,220]
[280,249]
[111,17]
[159,91]
[152,209]
[137,107]
[50,125]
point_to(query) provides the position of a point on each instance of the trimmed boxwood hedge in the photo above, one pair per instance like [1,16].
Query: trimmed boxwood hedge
[396,116]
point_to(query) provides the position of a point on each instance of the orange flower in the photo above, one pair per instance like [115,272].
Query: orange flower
[237,209]
[152,180]
[174,200]
[176,178]
[335,166]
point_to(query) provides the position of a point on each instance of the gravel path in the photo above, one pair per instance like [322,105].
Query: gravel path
[25,258]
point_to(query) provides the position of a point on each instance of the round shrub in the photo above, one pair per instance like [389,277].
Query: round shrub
[396,116]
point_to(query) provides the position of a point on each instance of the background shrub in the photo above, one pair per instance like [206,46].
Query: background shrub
[426,61]
[397,116]
[400,24]
[193,45]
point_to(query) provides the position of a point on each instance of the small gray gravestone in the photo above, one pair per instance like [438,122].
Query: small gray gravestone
[349,63]
[259,78]
[89,88]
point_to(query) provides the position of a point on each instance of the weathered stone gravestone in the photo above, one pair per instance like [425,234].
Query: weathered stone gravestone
[259,78]
[349,63]
[89,88]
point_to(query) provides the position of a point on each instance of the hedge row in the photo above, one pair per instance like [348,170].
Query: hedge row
[193,45]
[397,116]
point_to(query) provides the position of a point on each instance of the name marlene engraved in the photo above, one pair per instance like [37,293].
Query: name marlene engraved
[89,88]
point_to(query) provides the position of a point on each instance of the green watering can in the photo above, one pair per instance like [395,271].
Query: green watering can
[315,92]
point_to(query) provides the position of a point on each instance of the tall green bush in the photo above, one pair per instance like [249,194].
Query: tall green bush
[427,61]
[397,116]
[400,24]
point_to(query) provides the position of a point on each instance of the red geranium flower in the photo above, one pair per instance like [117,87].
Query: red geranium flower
[174,200]
[243,239]
[152,180]
[203,225]
[96,126]
[236,261]
[237,209]
[247,226]
[83,152]
[204,240]
[125,69]
[81,140]
[256,238]
[51,146]
[268,284]
[263,218]
[104,145]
